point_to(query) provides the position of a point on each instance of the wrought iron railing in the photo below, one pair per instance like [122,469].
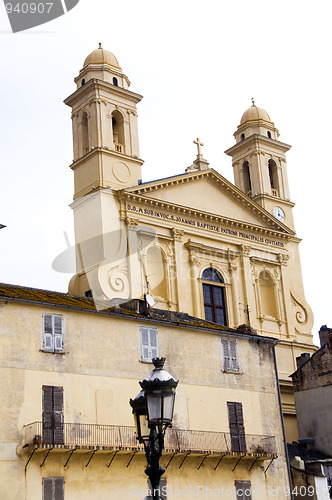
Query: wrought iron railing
[87,436]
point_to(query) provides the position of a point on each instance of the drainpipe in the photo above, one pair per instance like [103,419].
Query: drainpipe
[282,421]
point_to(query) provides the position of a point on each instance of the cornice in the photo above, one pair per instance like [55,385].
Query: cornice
[106,151]
[96,84]
[220,181]
[234,224]
[258,139]
[194,246]
[276,199]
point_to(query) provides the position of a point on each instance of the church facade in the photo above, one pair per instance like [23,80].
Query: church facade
[195,242]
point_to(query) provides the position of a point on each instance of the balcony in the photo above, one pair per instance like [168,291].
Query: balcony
[109,438]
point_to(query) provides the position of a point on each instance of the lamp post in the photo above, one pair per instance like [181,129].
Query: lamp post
[153,413]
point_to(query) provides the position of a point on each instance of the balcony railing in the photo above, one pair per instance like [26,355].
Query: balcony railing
[112,437]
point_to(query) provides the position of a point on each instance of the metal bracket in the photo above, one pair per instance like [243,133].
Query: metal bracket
[219,462]
[251,466]
[200,465]
[131,458]
[237,463]
[116,451]
[47,454]
[94,451]
[26,465]
[183,460]
[70,455]
[170,460]
[269,465]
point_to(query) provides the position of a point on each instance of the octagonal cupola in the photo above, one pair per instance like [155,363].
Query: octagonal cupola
[103,65]
[255,120]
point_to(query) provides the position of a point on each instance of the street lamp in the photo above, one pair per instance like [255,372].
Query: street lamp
[153,413]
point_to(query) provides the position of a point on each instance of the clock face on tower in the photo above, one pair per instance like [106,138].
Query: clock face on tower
[279,214]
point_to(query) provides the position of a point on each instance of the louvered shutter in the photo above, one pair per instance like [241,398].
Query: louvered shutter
[58,414]
[47,414]
[149,344]
[145,344]
[233,426]
[58,333]
[243,490]
[48,332]
[233,355]
[153,343]
[240,425]
[227,357]
[59,488]
[48,488]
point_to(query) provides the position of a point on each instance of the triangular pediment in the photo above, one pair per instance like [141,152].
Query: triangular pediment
[207,191]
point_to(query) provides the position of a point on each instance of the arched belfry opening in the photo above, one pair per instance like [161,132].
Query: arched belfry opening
[214,296]
[246,178]
[85,133]
[273,175]
[118,131]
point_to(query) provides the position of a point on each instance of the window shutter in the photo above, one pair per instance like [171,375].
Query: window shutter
[47,332]
[59,488]
[145,344]
[233,355]
[243,490]
[153,343]
[227,359]
[58,333]
[48,488]
[149,344]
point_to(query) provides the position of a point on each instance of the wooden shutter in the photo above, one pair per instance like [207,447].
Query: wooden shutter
[47,332]
[149,344]
[58,333]
[236,426]
[243,490]
[52,414]
[53,488]
[230,355]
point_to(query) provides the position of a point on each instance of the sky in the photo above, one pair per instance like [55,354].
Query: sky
[197,64]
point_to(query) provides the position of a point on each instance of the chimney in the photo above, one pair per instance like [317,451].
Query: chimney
[300,360]
[324,334]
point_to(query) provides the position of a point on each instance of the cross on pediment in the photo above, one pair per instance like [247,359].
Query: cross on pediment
[199,145]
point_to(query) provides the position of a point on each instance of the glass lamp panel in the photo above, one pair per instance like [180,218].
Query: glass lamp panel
[154,406]
[168,406]
[145,431]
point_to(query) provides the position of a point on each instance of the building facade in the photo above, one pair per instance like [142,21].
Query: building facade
[70,370]
[196,242]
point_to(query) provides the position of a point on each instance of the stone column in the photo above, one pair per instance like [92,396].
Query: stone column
[177,242]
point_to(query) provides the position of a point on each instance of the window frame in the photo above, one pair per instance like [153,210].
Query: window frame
[53,335]
[149,346]
[212,285]
[54,481]
[243,485]
[234,365]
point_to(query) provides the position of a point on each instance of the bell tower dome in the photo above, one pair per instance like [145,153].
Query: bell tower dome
[105,135]
[259,163]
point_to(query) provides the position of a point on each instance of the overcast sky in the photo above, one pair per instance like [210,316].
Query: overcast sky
[197,64]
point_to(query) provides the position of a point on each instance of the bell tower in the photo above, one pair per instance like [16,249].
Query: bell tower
[259,163]
[106,159]
[105,134]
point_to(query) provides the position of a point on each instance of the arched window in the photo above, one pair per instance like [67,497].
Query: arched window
[269,134]
[273,174]
[246,178]
[267,294]
[115,81]
[85,133]
[214,297]
[83,82]
[118,131]
[242,137]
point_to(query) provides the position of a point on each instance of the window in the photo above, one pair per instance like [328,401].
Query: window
[115,81]
[52,415]
[83,82]
[52,333]
[230,355]
[243,490]
[236,426]
[269,134]
[246,178]
[149,344]
[214,299]
[53,488]
[273,175]
[242,137]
